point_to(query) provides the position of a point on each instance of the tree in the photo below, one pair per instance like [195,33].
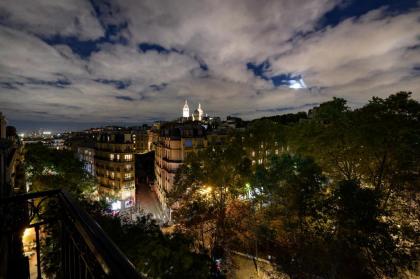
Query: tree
[328,136]
[377,145]
[344,203]
[362,243]
[291,194]
[48,169]
[205,189]
[154,254]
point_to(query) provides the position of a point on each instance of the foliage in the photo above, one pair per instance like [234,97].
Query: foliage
[49,169]
[341,200]
[154,254]
[206,185]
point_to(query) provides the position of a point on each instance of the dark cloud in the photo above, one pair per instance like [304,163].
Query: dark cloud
[118,84]
[124,98]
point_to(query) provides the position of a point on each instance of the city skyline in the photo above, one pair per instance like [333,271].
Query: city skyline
[93,63]
[210,139]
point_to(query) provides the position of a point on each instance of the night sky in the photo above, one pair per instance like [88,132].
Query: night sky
[71,64]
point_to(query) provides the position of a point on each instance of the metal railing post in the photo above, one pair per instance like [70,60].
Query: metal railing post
[38,252]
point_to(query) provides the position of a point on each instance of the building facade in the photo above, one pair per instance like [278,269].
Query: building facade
[12,177]
[114,168]
[87,156]
[175,142]
[140,139]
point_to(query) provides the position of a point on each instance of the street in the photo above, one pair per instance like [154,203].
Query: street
[147,201]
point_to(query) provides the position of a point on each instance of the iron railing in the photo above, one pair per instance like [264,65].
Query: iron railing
[85,249]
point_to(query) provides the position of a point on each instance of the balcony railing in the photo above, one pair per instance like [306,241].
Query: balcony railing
[86,250]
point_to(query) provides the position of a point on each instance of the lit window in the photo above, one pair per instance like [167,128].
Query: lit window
[111,156]
[127,175]
[260,161]
[253,162]
[277,152]
[118,157]
[128,157]
[253,153]
[112,174]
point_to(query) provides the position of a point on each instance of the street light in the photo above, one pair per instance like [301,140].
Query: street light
[205,190]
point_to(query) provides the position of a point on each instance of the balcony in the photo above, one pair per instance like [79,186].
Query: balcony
[166,159]
[86,251]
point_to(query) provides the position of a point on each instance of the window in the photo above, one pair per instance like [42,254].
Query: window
[277,152]
[188,143]
[128,157]
[111,156]
[127,175]
[118,157]
[112,174]
[260,161]
[253,153]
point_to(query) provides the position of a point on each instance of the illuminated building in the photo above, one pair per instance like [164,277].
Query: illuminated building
[186,110]
[141,140]
[87,156]
[175,142]
[200,112]
[114,168]
[153,135]
[197,115]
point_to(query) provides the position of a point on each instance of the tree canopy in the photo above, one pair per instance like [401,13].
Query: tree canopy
[334,193]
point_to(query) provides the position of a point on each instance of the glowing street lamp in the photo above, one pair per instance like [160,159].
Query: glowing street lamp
[205,190]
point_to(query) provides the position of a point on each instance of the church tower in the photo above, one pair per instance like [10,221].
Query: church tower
[200,112]
[186,110]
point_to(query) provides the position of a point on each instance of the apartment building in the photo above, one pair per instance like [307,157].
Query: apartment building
[140,139]
[114,168]
[87,156]
[173,145]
